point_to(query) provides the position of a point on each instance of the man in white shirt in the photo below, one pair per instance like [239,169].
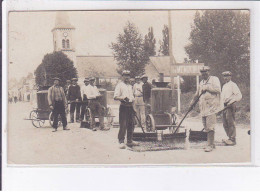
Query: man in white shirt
[84,98]
[96,108]
[139,102]
[209,104]
[230,95]
[124,94]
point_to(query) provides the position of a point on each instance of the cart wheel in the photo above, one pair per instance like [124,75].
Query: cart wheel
[110,119]
[51,120]
[35,121]
[150,124]
[89,116]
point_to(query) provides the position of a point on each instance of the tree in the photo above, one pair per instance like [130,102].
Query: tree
[220,39]
[164,44]
[149,43]
[129,51]
[55,64]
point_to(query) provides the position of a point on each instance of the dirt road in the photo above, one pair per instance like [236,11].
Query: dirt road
[30,145]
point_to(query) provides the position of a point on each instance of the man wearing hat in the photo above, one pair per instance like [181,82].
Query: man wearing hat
[58,103]
[96,108]
[147,88]
[74,96]
[230,95]
[209,104]
[84,98]
[124,94]
[139,102]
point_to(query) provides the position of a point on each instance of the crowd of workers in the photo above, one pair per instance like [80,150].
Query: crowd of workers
[135,99]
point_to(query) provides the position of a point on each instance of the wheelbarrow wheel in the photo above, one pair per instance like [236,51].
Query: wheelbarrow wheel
[51,120]
[36,122]
[89,116]
[150,123]
[110,119]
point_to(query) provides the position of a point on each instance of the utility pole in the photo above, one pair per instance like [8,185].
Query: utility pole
[172,59]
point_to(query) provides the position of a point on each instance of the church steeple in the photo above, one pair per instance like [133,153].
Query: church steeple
[63,35]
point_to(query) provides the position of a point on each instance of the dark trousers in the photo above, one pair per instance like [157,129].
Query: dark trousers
[59,109]
[83,110]
[126,122]
[97,110]
[229,122]
[73,106]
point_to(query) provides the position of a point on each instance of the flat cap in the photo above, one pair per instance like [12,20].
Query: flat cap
[204,69]
[137,77]
[74,79]
[126,72]
[56,78]
[86,80]
[226,73]
[143,76]
[91,78]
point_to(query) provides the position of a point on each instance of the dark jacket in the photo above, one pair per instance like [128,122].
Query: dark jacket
[74,93]
[51,98]
[147,87]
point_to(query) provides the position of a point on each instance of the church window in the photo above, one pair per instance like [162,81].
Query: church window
[68,43]
[63,43]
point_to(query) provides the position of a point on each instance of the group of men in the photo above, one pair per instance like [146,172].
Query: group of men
[213,100]
[135,100]
[78,98]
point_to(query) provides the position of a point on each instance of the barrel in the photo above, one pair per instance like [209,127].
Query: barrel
[161,100]
[103,98]
[43,105]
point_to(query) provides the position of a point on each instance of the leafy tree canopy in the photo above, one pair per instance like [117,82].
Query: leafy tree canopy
[129,51]
[55,64]
[220,39]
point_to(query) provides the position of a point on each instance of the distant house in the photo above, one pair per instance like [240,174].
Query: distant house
[105,67]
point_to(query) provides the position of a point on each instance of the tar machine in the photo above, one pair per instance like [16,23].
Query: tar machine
[161,120]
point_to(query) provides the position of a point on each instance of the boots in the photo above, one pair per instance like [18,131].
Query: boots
[211,144]
[72,117]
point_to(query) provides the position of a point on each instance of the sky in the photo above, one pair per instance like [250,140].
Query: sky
[30,36]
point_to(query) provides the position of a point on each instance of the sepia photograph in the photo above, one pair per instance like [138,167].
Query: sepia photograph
[129,87]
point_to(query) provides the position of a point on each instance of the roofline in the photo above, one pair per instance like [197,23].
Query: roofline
[94,56]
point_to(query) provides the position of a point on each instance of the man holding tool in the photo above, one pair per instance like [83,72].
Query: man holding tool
[124,94]
[230,95]
[74,96]
[209,92]
[58,103]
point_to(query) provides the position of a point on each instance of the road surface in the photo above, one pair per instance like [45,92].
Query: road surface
[34,146]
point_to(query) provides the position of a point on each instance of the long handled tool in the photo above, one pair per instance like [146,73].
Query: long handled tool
[190,109]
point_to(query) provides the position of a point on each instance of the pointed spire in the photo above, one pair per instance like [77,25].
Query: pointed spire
[62,20]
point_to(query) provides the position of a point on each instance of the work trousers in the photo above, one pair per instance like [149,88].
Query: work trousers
[126,123]
[59,109]
[97,110]
[73,106]
[148,106]
[83,110]
[229,122]
[209,122]
[140,110]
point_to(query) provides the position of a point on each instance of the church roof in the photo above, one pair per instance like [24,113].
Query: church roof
[62,20]
[100,66]
[106,66]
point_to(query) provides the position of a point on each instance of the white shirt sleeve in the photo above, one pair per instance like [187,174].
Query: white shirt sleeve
[117,91]
[236,94]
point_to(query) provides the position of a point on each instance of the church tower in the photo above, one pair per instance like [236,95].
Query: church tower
[63,36]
